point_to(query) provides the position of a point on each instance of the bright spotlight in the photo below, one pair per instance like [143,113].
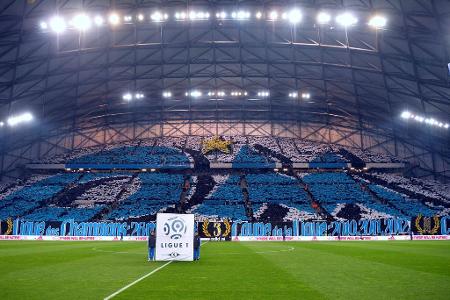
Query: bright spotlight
[294,16]
[240,15]
[57,24]
[378,22]
[98,20]
[259,15]
[306,95]
[180,15]
[263,94]
[293,95]
[2,124]
[128,19]
[273,15]
[221,15]
[406,115]
[15,120]
[43,25]
[196,94]
[127,97]
[82,22]
[167,94]
[139,96]
[323,18]
[346,19]
[114,19]
[157,16]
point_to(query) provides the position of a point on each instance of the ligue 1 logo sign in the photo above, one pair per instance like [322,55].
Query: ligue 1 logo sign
[175,227]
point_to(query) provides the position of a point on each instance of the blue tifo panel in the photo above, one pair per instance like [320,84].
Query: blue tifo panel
[157,191]
[31,197]
[410,207]
[225,202]
[248,158]
[331,189]
[133,158]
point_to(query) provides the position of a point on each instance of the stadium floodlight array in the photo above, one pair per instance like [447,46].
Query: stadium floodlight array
[421,119]
[323,18]
[218,93]
[306,95]
[18,119]
[378,22]
[194,94]
[84,21]
[346,19]
[263,94]
[132,96]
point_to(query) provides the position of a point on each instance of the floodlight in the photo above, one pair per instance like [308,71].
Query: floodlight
[273,15]
[14,120]
[167,94]
[82,22]
[128,19]
[156,16]
[407,115]
[114,19]
[294,16]
[2,124]
[140,17]
[323,18]
[346,19]
[57,24]
[306,95]
[43,25]
[98,20]
[221,15]
[293,95]
[196,93]
[127,97]
[378,22]
[259,15]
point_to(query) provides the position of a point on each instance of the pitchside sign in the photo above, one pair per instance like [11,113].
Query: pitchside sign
[174,237]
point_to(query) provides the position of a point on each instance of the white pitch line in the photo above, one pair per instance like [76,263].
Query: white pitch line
[136,281]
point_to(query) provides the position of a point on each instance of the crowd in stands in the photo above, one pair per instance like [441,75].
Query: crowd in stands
[171,150]
[149,156]
[156,192]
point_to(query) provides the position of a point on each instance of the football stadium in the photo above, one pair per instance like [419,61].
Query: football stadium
[224,149]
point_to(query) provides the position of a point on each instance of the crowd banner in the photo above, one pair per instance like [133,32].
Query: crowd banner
[378,227]
[175,237]
[64,230]
[215,230]
[435,225]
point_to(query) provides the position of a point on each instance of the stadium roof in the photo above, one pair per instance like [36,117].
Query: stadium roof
[285,62]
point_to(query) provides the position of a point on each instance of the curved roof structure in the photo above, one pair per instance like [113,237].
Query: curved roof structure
[236,62]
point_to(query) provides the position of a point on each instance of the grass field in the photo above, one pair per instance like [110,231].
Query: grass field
[228,270]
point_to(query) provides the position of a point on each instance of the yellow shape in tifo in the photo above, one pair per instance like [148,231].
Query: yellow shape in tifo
[216,144]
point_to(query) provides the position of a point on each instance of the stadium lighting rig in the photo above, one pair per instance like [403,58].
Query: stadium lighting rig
[306,95]
[83,21]
[18,119]
[346,19]
[406,115]
[378,22]
[128,96]
[263,94]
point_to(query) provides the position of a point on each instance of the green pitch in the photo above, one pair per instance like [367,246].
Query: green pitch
[228,270]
